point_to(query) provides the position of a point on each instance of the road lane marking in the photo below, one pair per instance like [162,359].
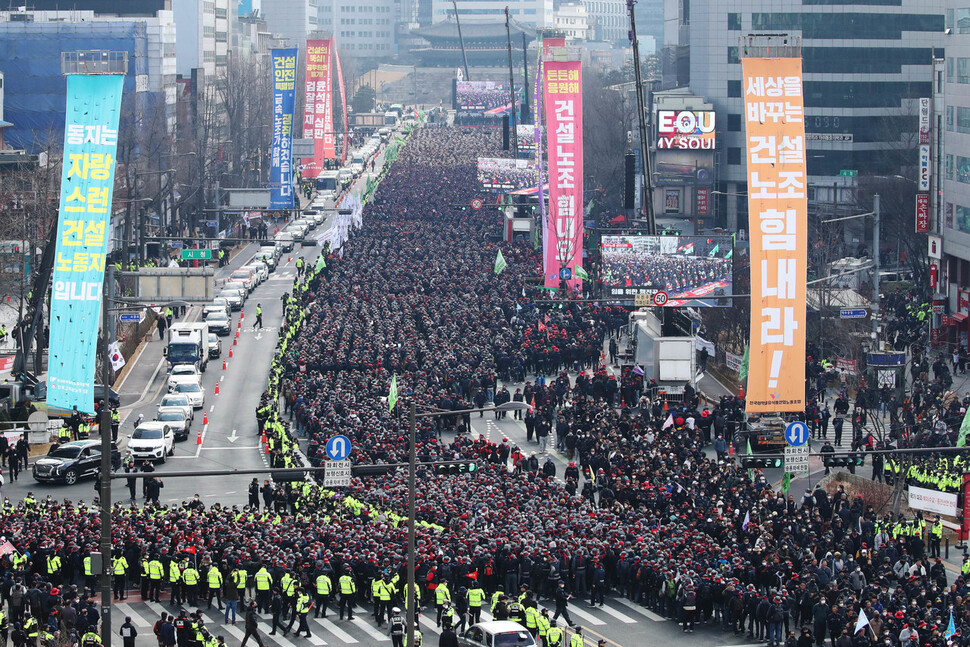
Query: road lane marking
[591,619]
[647,613]
[625,619]
[371,631]
[127,611]
[331,626]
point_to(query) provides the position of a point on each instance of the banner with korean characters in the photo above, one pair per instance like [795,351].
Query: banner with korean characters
[87,183]
[775,146]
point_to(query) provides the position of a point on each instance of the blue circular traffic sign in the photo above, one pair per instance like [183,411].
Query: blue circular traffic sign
[565,274]
[338,448]
[796,433]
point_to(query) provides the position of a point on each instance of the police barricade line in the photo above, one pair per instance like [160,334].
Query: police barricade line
[330,626]
[126,610]
[369,630]
[430,624]
[625,619]
[588,618]
[647,613]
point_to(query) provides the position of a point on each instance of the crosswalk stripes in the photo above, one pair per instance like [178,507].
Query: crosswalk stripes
[429,624]
[587,617]
[622,617]
[126,610]
[332,627]
[647,613]
[370,630]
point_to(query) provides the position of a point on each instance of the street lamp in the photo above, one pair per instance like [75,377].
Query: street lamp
[412,469]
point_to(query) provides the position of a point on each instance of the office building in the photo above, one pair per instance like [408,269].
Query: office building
[202,36]
[535,13]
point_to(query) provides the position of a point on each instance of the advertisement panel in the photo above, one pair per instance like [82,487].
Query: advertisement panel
[562,87]
[685,129]
[694,174]
[924,167]
[691,270]
[506,175]
[922,213]
[281,158]
[924,120]
[703,201]
[775,147]
[87,183]
[933,501]
[318,107]
[483,98]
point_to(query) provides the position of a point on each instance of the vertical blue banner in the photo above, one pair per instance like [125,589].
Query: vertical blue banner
[284,99]
[87,183]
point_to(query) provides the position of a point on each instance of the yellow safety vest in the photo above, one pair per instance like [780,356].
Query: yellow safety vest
[119,565]
[324,585]
[190,576]
[263,580]
[347,585]
[214,578]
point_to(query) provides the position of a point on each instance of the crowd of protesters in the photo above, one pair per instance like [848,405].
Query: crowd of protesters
[641,511]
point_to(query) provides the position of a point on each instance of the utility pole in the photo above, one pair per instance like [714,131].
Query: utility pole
[875,270]
[508,36]
[464,57]
[525,82]
[412,467]
[641,121]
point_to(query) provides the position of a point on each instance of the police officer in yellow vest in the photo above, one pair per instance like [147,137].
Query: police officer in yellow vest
[64,434]
[441,595]
[348,593]
[89,578]
[382,598]
[553,637]
[156,571]
[175,581]
[190,577]
[936,537]
[30,628]
[214,579]
[532,620]
[577,639]
[543,623]
[301,610]
[476,597]
[91,638]
[119,571]
[264,583]
[324,589]
[418,638]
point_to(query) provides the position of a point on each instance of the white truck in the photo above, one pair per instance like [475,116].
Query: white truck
[188,343]
[668,360]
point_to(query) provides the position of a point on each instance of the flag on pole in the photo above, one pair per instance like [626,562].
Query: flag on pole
[747,520]
[713,252]
[321,263]
[500,263]
[964,428]
[669,422]
[581,273]
[786,483]
[117,359]
[950,628]
[861,622]
[638,370]
[392,394]
[543,327]
[743,373]
[750,471]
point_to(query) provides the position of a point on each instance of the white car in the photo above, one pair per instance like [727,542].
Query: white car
[175,418]
[194,392]
[232,297]
[152,441]
[177,400]
[219,304]
[259,269]
[182,373]
[345,176]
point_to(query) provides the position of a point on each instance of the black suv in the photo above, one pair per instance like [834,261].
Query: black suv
[69,462]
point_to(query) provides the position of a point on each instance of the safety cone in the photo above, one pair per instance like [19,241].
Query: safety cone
[730,449]
[235,340]
[198,438]
[262,438]
[266,451]
[242,315]
[666,408]
[224,363]
[237,332]
[217,388]
[205,417]
[230,353]
[239,324]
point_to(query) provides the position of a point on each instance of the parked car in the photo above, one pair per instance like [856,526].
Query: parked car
[218,323]
[194,392]
[179,400]
[175,418]
[497,633]
[219,304]
[215,345]
[152,441]
[244,277]
[183,373]
[69,462]
[232,297]
[259,269]
[285,240]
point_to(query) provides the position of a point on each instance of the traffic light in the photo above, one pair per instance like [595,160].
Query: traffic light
[455,467]
[844,460]
[749,462]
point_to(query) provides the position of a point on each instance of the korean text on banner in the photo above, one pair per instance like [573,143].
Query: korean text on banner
[281,160]
[562,87]
[87,182]
[318,106]
[775,137]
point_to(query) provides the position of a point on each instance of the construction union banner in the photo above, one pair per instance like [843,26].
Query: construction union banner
[777,207]
[318,106]
[87,180]
[281,161]
[562,87]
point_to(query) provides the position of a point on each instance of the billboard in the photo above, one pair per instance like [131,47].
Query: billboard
[281,158]
[685,129]
[690,270]
[506,175]
[562,87]
[483,97]
[87,183]
[525,137]
[924,167]
[672,174]
[778,213]
[318,106]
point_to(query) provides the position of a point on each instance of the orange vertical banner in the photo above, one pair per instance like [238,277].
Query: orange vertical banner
[777,222]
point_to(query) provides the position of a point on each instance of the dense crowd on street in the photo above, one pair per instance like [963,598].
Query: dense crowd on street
[641,511]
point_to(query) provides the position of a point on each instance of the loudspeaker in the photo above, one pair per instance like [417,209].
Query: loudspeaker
[505,132]
[629,193]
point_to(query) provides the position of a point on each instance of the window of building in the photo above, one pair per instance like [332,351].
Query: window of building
[734,123]
[962,215]
[734,21]
[732,55]
[734,89]
[963,70]
[734,156]
[220,13]
[962,169]
[961,21]
[950,66]
[948,166]
[851,26]
[949,118]
[963,120]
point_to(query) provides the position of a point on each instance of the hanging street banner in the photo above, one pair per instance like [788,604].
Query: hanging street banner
[562,89]
[318,106]
[87,183]
[284,98]
[775,144]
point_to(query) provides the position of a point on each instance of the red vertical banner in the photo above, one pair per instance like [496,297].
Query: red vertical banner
[562,87]
[703,196]
[778,224]
[318,106]
[922,213]
[965,526]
